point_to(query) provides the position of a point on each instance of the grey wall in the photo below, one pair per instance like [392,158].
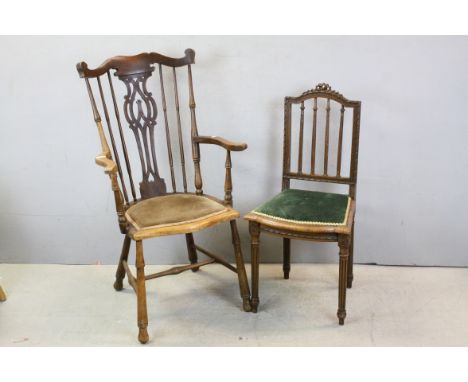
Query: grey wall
[56,205]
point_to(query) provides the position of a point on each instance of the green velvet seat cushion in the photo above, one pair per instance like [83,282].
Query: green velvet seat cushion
[172,209]
[307,207]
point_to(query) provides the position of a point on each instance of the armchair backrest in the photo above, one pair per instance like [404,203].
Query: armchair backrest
[139,108]
[326,130]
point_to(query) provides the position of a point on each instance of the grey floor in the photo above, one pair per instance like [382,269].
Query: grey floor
[75,305]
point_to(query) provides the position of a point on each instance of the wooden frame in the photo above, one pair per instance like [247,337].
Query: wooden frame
[344,234]
[140,112]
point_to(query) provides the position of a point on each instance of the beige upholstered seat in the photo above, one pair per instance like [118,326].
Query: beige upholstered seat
[183,212]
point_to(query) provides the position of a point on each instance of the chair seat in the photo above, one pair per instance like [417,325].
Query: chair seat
[175,214]
[306,211]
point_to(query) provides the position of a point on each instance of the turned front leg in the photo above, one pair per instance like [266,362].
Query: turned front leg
[351,260]
[254,229]
[343,243]
[141,294]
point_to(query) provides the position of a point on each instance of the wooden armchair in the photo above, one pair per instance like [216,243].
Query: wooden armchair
[157,211]
[312,215]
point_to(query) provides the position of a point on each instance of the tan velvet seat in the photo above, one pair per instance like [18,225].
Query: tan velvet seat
[185,213]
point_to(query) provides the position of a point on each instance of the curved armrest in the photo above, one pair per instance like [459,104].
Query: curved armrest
[110,167]
[213,140]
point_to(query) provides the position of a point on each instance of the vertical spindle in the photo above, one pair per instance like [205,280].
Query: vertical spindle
[314,138]
[111,135]
[97,118]
[340,142]
[179,129]
[168,136]
[327,139]
[301,139]
[194,133]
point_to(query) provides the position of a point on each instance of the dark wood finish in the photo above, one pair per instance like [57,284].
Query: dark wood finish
[192,250]
[254,229]
[343,235]
[140,114]
[286,257]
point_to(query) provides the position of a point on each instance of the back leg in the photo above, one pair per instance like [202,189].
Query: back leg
[286,257]
[241,274]
[192,250]
[120,274]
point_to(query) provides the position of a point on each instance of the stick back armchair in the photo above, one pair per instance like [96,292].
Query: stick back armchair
[152,208]
[313,215]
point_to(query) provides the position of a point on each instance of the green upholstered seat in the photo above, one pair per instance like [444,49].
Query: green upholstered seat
[307,207]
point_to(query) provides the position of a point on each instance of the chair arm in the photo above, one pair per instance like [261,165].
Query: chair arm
[110,167]
[213,140]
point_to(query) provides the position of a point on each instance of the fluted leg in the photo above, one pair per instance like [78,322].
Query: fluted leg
[351,261]
[192,251]
[286,257]
[241,274]
[254,229]
[120,274]
[141,294]
[343,243]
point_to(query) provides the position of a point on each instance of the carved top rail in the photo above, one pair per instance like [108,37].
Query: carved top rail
[323,90]
[129,65]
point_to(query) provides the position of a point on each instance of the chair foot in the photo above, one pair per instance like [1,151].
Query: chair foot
[349,283]
[118,285]
[143,336]
[246,305]
[286,275]
[254,303]
[195,269]
[341,316]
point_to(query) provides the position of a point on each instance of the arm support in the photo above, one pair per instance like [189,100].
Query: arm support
[229,146]
[213,140]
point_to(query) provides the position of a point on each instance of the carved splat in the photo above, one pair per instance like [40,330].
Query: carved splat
[140,112]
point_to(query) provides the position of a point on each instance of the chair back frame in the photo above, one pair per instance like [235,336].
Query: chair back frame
[323,91]
[140,112]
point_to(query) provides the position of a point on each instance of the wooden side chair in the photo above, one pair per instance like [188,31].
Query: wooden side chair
[153,210]
[312,215]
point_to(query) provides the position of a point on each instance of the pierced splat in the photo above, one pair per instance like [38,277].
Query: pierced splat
[140,112]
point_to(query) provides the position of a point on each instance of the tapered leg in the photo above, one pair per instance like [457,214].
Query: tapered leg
[243,282]
[343,243]
[254,229]
[192,251]
[351,261]
[120,274]
[286,257]
[141,294]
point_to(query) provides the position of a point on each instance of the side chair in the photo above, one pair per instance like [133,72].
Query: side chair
[151,208]
[313,215]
